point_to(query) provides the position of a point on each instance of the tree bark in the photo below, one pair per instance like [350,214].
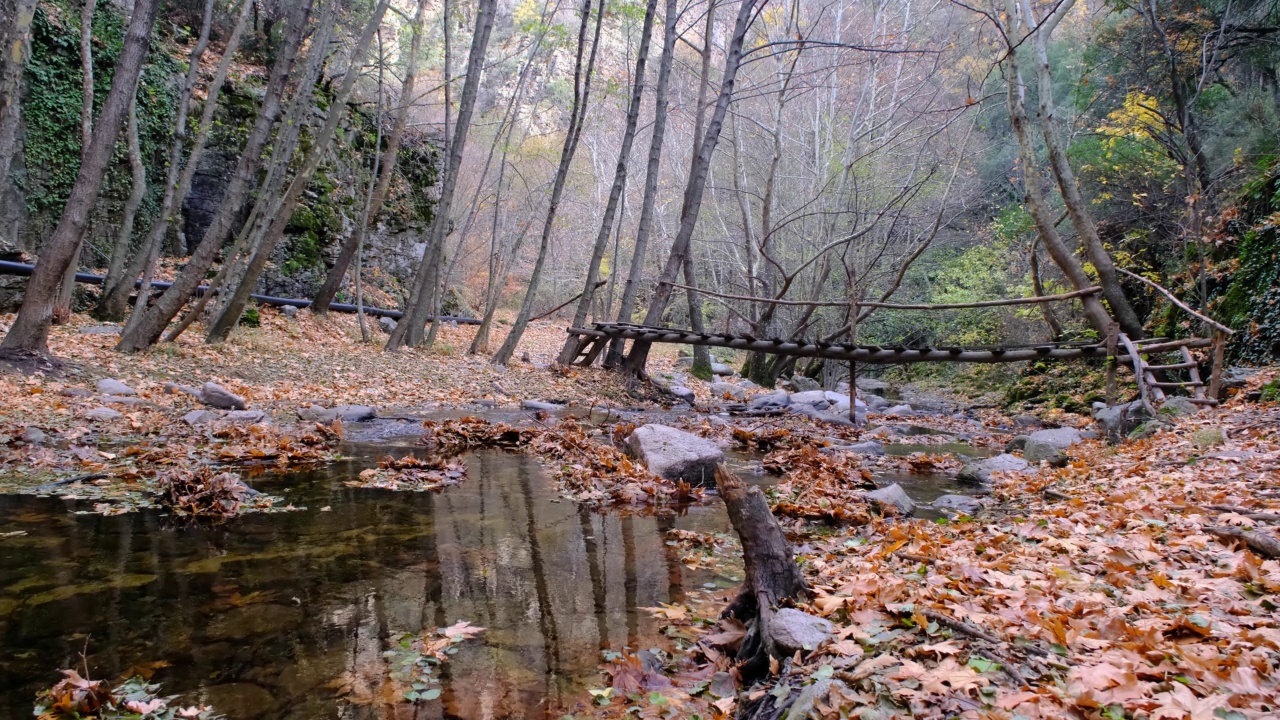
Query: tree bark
[30,332]
[627,304]
[701,367]
[115,296]
[149,326]
[13,62]
[696,185]
[239,298]
[387,169]
[570,349]
[138,173]
[409,331]
[577,116]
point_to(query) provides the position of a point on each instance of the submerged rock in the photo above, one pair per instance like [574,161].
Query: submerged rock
[794,630]
[675,454]
[892,495]
[983,470]
[540,405]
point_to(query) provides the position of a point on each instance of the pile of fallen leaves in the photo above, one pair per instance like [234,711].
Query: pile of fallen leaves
[588,471]
[79,698]
[819,485]
[411,473]
[206,492]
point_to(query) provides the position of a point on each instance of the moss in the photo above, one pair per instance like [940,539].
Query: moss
[251,317]
[1271,392]
[701,370]
[1207,438]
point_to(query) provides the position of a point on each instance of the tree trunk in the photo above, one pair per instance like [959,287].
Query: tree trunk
[147,329]
[627,304]
[410,328]
[387,169]
[138,171]
[13,62]
[30,332]
[571,345]
[693,191]
[577,116]
[772,575]
[115,296]
[701,367]
[1077,208]
[239,298]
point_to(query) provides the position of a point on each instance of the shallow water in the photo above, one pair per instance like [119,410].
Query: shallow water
[264,616]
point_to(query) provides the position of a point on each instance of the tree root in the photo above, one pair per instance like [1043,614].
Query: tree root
[1260,543]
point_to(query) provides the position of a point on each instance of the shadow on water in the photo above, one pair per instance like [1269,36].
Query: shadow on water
[266,616]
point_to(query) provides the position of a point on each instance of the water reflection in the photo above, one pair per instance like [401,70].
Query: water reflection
[275,616]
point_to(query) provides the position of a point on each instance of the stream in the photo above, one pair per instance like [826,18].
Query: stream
[290,615]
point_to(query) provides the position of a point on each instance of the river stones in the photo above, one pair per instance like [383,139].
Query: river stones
[804,384]
[684,393]
[794,630]
[963,504]
[772,401]
[675,454]
[892,495]
[812,398]
[1061,438]
[982,471]
[1016,444]
[721,389]
[540,405]
[899,410]
[719,368]
[1036,452]
[107,386]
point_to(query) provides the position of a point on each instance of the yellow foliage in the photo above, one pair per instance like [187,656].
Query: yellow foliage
[1136,118]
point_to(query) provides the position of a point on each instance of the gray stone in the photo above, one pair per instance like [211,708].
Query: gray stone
[1149,428]
[387,324]
[982,470]
[540,405]
[794,630]
[899,410]
[289,311]
[675,454]
[1178,405]
[840,403]
[722,369]
[812,398]
[872,386]
[721,389]
[355,413]
[723,685]
[244,417]
[1016,444]
[871,447]
[803,383]
[1061,438]
[875,402]
[100,330]
[1118,421]
[892,495]
[684,393]
[960,503]
[214,395]
[822,415]
[198,417]
[803,708]
[121,400]
[107,386]
[772,401]
[684,361]
[101,413]
[1036,452]
[1027,421]
[33,435]
[76,392]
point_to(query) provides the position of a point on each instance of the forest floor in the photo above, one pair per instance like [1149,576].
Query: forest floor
[1138,581]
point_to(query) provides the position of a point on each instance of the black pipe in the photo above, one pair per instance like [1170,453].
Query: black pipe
[16,268]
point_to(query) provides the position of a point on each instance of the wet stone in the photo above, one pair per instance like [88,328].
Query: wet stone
[540,405]
[254,620]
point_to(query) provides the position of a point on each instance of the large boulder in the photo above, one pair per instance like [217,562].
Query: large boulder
[804,384]
[794,630]
[982,471]
[772,401]
[1060,438]
[812,398]
[1037,451]
[872,386]
[892,495]
[675,454]
[1177,405]
[719,368]
[1118,421]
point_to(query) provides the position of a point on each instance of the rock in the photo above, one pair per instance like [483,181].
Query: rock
[723,685]
[244,417]
[794,630]
[775,400]
[684,393]
[1178,405]
[355,413]
[803,383]
[675,454]
[840,403]
[870,447]
[875,402]
[1036,452]
[289,311]
[982,470]
[1016,444]
[1118,421]
[1061,438]
[214,395]
[822,415]
[100,330]
[803,708]
[1149,428]
[892,495]
[107,386]
[199,417]
[960,503]
[722,369]
[76,392]
[101,413]
[812,398]
[387,324]
[899,410]
[684,361]
[1027,421]
[121,400]
[1208,437]
[872,386]
[721,389]
[33,435]
[540,405]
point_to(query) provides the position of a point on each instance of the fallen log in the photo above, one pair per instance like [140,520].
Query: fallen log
[1260,543]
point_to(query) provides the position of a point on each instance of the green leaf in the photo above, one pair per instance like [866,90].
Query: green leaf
[824,672]
[431,694]
[982,664]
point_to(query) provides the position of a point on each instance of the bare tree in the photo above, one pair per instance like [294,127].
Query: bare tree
[572,344]
[150,325]
[409,330]
[577,114]
[17,43]
[30,332]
